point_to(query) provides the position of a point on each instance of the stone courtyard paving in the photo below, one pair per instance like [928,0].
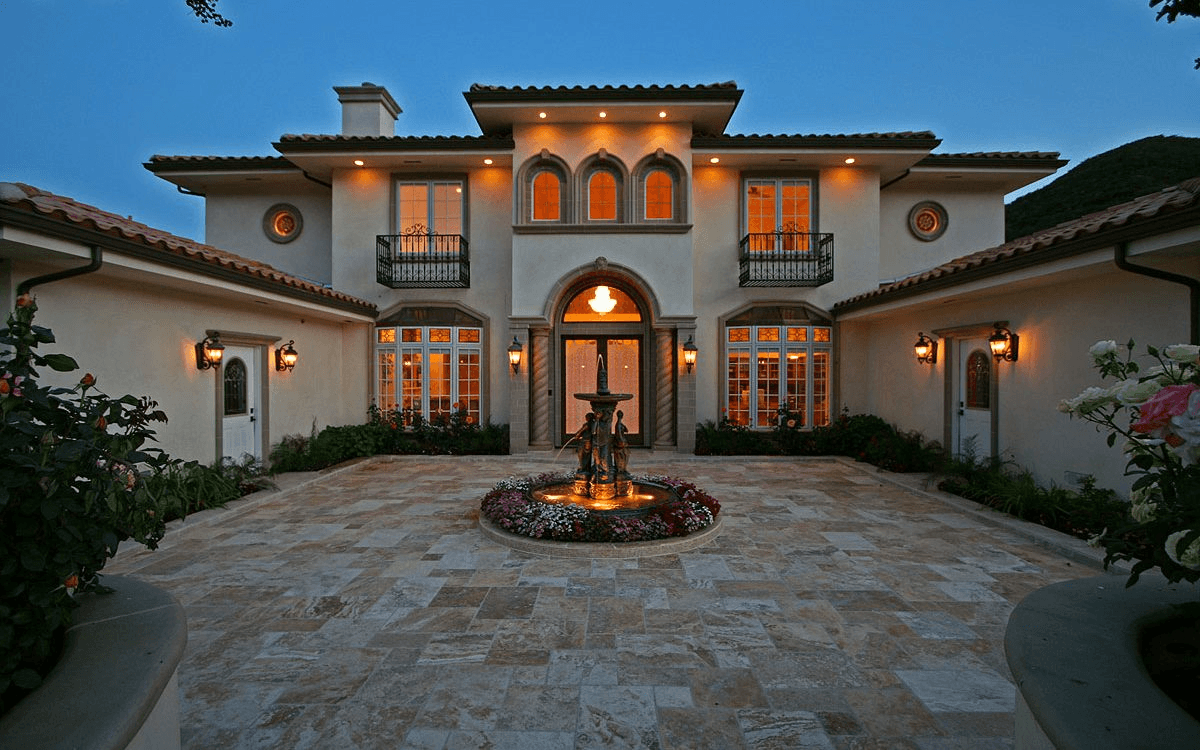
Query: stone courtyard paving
[836,609]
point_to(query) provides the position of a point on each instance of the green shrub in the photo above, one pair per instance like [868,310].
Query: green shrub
[184,488]
[72,487]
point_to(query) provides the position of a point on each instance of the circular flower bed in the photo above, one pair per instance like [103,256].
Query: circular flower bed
[510,507]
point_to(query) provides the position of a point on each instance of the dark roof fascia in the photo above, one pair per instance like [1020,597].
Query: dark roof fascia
[707,93]
[1034,256]
[158,163]
[308,144]
[1047,160]
[919,141]
[48,225]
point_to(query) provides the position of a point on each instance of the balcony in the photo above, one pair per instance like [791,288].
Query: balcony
[420,259]
[785,258]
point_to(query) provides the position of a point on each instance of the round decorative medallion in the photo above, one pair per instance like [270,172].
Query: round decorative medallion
[282,222]
[927,220]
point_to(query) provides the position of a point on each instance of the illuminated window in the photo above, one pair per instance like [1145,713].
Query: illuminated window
[602,196]
[660,199]
[429,207]
[776,371]
[547,194]
[432,373]
[778,214]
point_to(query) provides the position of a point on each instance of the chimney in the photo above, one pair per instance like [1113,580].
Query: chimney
[367,110]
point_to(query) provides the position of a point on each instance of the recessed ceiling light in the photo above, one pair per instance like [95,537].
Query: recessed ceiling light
[715,160]
[542,115]
[850,160]
[603,115]
[359,162]
[661,115]
[487,161]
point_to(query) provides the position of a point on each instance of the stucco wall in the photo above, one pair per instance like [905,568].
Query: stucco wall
[136,334]
[975,221]
[234,221]
[1057,316]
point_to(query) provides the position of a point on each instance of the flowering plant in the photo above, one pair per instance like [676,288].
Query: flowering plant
[1157,412]
[511,507]
[71,488]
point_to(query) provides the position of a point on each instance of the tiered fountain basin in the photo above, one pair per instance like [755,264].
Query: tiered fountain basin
[644,496]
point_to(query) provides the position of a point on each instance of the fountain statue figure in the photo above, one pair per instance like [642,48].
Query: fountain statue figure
[600,473]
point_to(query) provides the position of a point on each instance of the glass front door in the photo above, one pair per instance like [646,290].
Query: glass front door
[581,361]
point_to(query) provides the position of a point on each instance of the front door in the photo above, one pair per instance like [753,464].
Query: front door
[975,405]
[240,428]
[581,360]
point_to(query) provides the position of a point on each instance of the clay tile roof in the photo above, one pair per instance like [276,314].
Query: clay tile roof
[994,159]
[309,141]
[169,247]
[919,139]
[162,163]
[1038,247]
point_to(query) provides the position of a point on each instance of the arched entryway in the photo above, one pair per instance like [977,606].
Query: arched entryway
[603,318]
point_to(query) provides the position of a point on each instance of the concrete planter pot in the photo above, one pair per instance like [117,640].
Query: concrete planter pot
[115,686]
[1073,649]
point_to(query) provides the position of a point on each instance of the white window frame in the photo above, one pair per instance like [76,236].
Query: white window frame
[435,219]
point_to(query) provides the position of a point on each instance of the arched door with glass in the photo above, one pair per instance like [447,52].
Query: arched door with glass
[602,323]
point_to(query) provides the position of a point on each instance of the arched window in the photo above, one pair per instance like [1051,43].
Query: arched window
[660,199]
[545,192]
[660,190]
[235,387]
[547,197]
[602,196]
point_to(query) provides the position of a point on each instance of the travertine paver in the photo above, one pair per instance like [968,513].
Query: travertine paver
[836,609]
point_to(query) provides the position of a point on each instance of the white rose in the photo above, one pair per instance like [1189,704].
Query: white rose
[1132,392]
[1190,556]
[1102,349]
[1142,505]
[1188,353]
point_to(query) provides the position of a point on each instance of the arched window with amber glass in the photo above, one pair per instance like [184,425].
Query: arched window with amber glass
[602,196]
[547,196]
[660,189]
[979,380]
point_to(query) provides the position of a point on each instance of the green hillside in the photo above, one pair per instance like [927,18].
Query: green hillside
[1104,180]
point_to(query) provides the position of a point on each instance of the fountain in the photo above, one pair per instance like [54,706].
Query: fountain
[602,482]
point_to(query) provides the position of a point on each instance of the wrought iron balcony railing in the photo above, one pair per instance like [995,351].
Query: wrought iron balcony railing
[785,258]
[420,259]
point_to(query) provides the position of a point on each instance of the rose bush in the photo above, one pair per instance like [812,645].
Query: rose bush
[1158,413]
[72,486]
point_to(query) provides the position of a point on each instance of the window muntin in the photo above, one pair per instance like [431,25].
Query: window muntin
[660,195]
[778,214]
[430,207]
[547,196]
[774,367]
[440,371]
[602,196]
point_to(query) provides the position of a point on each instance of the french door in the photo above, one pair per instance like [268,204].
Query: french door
[581,360]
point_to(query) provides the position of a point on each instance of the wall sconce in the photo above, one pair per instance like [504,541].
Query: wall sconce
[286,357]
[1004,344]
[926,349]
[689,353]
[209,352]
[514,355]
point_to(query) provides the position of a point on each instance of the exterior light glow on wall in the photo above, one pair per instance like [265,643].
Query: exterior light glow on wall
[689,354]
[514,355]
[925,349]
[602,303]
[209,352]
[1003,344]
[286,357]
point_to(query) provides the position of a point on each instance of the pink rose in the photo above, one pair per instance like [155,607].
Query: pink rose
[1154,416]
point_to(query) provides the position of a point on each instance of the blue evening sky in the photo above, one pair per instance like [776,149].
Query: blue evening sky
[93,88]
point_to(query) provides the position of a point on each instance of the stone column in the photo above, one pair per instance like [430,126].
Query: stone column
[540,429]
[518,393]
[664,387]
